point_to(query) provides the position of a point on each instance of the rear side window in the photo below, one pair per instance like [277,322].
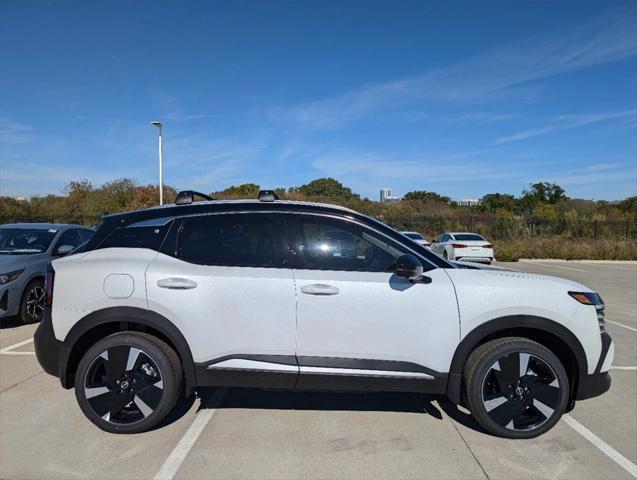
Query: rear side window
[233,240]
[150,237]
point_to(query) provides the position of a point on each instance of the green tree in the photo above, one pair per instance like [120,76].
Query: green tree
[498,201]
[426,196]
[327,188]
[545,192]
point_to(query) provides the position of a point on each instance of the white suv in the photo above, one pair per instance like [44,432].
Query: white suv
[293,295]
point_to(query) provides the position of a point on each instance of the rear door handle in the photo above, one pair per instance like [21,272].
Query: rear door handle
[176,283]
[319,289]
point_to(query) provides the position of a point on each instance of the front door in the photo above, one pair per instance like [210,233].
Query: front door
[360,325]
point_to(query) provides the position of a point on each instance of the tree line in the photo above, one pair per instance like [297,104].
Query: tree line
[83,202]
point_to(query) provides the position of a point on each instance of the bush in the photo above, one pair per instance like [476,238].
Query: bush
[559,247]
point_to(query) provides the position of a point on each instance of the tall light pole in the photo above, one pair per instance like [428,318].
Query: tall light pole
[161,163]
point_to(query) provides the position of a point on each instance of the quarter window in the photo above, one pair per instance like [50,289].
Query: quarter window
[325,243]
[237,240]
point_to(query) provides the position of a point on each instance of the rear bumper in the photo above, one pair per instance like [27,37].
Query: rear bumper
[48,349]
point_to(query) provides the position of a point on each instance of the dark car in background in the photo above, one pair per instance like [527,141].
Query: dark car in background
[25,251]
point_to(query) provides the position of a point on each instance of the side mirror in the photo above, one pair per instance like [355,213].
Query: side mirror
[63,250]
[408,266]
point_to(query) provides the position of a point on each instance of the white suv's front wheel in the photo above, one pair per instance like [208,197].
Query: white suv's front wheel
[515,387]
[128,382]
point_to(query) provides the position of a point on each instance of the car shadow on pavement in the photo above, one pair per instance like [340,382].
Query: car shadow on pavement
[11,322]
[249,398]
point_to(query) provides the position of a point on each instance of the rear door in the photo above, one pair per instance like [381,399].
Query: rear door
[360,325]
[226,284]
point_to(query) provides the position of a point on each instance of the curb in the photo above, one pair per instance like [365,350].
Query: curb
[558,260]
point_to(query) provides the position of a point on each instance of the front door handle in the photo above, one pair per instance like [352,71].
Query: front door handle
[319,289]
[176,283]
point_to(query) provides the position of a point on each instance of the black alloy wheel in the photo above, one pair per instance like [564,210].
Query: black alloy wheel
[128,382]
[32,305]
[516,388]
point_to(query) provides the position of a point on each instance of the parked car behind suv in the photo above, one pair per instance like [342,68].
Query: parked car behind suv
[295,295]
[418,238]
[465,246]
[25,251]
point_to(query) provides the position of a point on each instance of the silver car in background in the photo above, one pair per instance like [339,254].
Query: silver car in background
[25,251]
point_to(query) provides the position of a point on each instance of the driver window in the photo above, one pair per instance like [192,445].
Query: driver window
[330,244]
[70,237]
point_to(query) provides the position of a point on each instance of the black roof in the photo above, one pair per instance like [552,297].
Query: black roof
[171,211]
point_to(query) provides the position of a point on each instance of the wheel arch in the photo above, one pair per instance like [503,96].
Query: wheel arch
[557,338]
[102,323]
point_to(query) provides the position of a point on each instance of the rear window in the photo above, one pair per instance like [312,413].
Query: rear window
[150,237]
[469,237]
[414,236]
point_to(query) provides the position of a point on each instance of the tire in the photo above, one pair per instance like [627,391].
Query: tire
[515,387]
[32,303]
[108,379]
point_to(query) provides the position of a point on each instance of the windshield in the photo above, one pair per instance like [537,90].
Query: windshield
[23,241]
[414,236]
[469,236]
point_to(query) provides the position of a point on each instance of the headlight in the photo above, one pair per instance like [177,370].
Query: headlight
[588,298]
[9,277]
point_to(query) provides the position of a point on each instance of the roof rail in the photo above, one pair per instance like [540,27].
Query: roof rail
[186,197]
[267,196]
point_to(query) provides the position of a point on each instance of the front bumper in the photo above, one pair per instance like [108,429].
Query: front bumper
[593,385]
[598,382]
[10,297]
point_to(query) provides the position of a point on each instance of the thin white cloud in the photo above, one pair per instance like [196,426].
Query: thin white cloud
[14,133]
[567,122]
[478,77]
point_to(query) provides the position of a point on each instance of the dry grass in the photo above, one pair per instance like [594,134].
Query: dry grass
[565,248]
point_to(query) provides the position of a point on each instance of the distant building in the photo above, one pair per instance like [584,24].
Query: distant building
[386,196]
[469,202]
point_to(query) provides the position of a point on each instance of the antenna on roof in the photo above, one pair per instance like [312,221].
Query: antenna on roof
[267,196]
[186,197]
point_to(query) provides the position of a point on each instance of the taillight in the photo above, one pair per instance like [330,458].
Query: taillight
[488,245]
[458,245]
[48,287]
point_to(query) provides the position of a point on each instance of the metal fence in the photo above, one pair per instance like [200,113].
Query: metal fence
[510,229]
[431,227]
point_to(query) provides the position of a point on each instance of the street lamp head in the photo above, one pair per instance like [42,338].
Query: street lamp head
[156,123]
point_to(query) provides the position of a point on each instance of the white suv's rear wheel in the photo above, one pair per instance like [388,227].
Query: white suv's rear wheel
[515,387]
[128,382]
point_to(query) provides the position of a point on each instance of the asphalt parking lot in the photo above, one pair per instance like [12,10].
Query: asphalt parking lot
[242,433]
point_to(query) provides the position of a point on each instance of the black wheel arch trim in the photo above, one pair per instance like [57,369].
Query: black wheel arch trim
[475,337]
[124,315]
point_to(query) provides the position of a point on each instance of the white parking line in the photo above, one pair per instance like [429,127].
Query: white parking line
[623,368]
[172,464]
[8,350]
[621,325]
[557,266]
[622,461]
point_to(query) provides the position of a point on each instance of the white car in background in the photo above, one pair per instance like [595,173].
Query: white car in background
[418,238]
[465,246]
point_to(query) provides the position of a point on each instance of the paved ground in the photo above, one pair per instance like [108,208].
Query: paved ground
[239,433]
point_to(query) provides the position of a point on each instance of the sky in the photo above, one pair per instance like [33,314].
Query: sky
[461,98]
